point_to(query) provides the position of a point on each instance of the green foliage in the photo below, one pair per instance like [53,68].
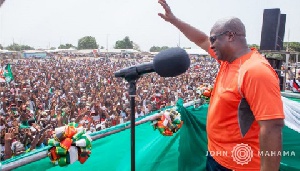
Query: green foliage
[254,46]
[136,47]
[26,47]
[292,46]
[66,46]
[52,48]
[126,43]
[1,47]
[158,49]
[87,42]
[17,47]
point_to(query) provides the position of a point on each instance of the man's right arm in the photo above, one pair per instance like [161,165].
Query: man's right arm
[193,34]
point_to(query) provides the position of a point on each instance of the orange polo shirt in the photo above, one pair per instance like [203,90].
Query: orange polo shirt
[232,128]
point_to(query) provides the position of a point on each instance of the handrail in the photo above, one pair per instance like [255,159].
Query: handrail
[42,154]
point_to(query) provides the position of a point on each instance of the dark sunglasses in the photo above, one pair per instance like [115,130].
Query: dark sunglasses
[212,39]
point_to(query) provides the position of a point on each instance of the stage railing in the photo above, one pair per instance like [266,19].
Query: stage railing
[35,155]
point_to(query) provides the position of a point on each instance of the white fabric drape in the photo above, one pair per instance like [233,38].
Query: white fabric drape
[292,114]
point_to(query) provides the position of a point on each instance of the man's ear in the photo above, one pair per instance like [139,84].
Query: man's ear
[231,36]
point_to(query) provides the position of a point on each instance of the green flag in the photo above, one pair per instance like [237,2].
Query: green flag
[8,74]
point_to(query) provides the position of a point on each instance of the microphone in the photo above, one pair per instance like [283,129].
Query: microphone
[140,69]
[167,63]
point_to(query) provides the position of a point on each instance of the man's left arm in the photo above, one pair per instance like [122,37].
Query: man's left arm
[262,92]
[270,137]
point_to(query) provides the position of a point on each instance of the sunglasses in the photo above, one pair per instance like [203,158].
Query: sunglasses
[212,39]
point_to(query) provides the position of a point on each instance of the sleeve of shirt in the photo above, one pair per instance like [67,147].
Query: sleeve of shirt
[261,90]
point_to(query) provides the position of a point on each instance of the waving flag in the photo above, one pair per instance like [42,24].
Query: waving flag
[295,85]
[7,73]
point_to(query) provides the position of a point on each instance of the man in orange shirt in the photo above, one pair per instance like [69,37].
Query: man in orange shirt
[245,116]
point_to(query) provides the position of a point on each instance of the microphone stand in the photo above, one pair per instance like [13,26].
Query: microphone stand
[132,76]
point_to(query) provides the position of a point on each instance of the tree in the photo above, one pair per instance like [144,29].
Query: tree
[1,47]
[126,43]
[52,48]
[66,46]
[164,48]
[26,47]
[154,49]
[87,42]
[158,49]
[254,46]
[292,46]
[17,47]
[61,47]
[14,47]
[136,47]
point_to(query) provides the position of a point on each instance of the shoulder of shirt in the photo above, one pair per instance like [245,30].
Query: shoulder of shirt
[255,60]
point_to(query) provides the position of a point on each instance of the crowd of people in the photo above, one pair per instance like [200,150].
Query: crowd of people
[46,94]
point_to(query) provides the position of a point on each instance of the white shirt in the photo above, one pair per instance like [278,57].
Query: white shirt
[137,115]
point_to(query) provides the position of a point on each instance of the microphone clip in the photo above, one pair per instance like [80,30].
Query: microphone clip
[132,74]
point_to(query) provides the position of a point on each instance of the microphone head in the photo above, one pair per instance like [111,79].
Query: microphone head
[171,62]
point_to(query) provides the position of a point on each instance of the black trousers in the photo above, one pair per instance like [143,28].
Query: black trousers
[212,165]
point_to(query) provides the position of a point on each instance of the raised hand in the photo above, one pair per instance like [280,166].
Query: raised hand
[8,136]
[168,16]
[46,128]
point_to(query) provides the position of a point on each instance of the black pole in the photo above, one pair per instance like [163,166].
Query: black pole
[132,76]
[132,93]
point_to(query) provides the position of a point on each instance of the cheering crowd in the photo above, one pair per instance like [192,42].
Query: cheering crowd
[46,94]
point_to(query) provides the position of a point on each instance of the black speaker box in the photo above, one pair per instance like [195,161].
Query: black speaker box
[270,28]
[282,86]
[275,63]
[281,32]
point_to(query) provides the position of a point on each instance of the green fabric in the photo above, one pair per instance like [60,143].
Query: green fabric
[24,125]
[193,141]
[50,90]
[294,99]
[291,143]
[8,74]
[184,151]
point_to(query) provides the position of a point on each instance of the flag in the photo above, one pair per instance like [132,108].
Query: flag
[8,74]
[295,86]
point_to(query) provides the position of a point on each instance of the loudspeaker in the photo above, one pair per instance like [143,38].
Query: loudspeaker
[282,86]
[275,63]
[281,32]
[270,28]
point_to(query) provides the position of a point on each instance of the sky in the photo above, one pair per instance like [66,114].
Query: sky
[49,23]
